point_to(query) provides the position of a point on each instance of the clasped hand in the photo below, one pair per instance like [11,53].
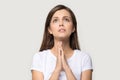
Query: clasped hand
[61,63]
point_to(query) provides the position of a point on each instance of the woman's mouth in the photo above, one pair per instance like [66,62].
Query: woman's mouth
[61,30]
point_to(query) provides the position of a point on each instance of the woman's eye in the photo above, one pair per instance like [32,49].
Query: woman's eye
[66,19]
[55,20]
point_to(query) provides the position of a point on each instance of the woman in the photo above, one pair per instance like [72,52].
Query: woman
[60,57]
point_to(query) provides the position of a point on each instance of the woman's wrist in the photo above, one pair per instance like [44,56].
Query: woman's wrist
[66,68]
[57,70]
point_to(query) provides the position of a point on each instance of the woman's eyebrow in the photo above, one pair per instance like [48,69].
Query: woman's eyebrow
[63,17]
[66,16]
[55,17]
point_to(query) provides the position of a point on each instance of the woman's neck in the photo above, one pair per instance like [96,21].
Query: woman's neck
[68,52]
[65,46]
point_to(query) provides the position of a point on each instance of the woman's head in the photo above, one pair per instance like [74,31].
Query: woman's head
[48,38]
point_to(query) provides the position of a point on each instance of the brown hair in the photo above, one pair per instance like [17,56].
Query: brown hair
[48,40]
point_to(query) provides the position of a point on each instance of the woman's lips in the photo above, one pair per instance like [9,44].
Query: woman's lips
[61,30]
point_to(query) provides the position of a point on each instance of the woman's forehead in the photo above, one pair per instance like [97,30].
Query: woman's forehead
[61,13]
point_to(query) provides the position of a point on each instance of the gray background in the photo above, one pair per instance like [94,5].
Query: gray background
[22,25]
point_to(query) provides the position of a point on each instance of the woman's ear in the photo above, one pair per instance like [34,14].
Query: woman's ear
[49,30]
[73,30]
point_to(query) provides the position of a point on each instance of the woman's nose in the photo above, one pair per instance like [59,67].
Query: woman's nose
[61,23]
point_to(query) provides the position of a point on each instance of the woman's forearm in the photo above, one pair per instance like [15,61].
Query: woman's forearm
[55,75]
[69,74]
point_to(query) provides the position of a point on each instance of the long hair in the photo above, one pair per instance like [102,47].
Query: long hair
[48,39]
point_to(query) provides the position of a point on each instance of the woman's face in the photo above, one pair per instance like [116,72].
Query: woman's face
[61,25]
